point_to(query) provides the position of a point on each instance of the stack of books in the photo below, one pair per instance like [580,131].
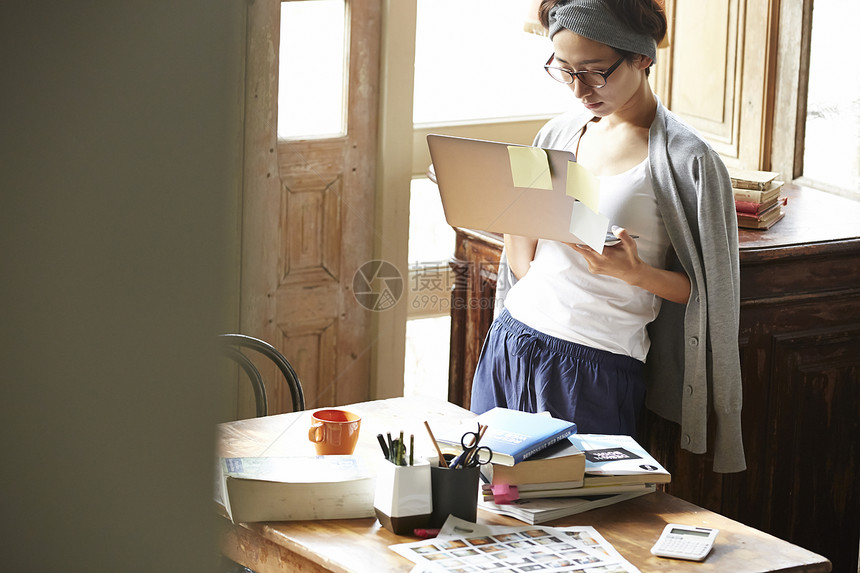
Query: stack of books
[541,469]
[614,469]
[557,470]
[758,200]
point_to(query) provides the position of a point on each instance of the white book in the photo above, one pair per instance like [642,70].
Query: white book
[297,488]
[620,457]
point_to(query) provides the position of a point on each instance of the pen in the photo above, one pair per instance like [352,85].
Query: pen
[411,449]
[455,463]
[401,451]
[385,451]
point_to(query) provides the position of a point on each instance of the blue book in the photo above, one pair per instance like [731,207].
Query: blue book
[513,436]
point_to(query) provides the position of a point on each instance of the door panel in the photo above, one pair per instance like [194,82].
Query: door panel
[720,74]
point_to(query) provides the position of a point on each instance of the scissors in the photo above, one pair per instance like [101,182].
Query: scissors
[471,455]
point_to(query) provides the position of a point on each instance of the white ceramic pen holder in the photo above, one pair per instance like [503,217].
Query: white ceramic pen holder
[403,500]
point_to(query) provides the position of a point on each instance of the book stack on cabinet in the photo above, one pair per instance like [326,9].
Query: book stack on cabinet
[758,198]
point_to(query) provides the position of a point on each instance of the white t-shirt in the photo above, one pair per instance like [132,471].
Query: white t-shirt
[559,296]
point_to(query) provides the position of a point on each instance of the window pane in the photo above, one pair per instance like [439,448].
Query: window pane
[431,239]
[832,148]
[427,347]
[473,61]
[311,81]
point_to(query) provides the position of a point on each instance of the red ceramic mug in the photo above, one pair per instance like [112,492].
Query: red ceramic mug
[334,432]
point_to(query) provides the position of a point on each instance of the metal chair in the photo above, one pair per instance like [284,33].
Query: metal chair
[232,345]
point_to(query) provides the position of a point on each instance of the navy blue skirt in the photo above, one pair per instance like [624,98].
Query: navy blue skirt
[523,369]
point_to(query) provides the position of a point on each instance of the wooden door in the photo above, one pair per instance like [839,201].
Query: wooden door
[307,220]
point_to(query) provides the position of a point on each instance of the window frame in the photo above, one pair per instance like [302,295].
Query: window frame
[788,132]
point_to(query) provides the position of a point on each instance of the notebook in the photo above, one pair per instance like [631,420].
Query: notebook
[500,187]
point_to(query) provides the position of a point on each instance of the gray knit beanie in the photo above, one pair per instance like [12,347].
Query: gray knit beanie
[592,19]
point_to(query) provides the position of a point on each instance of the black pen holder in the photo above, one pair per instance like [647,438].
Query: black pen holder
[455,492]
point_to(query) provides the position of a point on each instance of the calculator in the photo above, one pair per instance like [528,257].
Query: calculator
[685,542]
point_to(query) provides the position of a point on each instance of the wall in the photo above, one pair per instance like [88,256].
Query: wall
[120,165]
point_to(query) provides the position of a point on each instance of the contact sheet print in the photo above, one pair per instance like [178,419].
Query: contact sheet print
[464,547]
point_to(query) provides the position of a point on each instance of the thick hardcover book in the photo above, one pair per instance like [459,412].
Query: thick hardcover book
[765,195]
[764,220]
[751,179]
[760,224]
[560,462]
[620,459]
[753,208]
[296,488]
[769,212]
[513,436]
[541,510]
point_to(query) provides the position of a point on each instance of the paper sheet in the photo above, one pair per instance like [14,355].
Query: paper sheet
[583,186]
[530,167]
[589,226]
[465,546]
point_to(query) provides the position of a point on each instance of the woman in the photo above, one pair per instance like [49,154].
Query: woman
[582,335]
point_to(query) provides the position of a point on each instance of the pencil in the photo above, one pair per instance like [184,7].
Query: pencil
[442,461]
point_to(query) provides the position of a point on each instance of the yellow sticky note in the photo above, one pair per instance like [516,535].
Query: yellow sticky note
[582,185]
[530,167]
[590,226]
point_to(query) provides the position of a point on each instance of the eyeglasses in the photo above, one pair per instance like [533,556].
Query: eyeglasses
[591,79]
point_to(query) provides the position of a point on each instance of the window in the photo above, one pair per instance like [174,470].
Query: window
[831,153]
[492,69]
[477,74]
[312,79]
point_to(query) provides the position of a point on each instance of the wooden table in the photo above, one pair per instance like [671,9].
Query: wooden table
[361,545]
[799,344]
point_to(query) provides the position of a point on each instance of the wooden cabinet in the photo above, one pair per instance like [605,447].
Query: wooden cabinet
[799,344]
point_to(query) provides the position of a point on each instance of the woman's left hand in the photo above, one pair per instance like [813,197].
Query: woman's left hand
[620,260]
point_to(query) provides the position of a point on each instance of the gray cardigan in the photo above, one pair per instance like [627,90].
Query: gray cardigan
[694,358]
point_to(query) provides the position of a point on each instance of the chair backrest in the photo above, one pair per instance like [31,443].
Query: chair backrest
[232,345]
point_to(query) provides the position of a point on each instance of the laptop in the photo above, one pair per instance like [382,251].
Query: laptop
[478,191]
